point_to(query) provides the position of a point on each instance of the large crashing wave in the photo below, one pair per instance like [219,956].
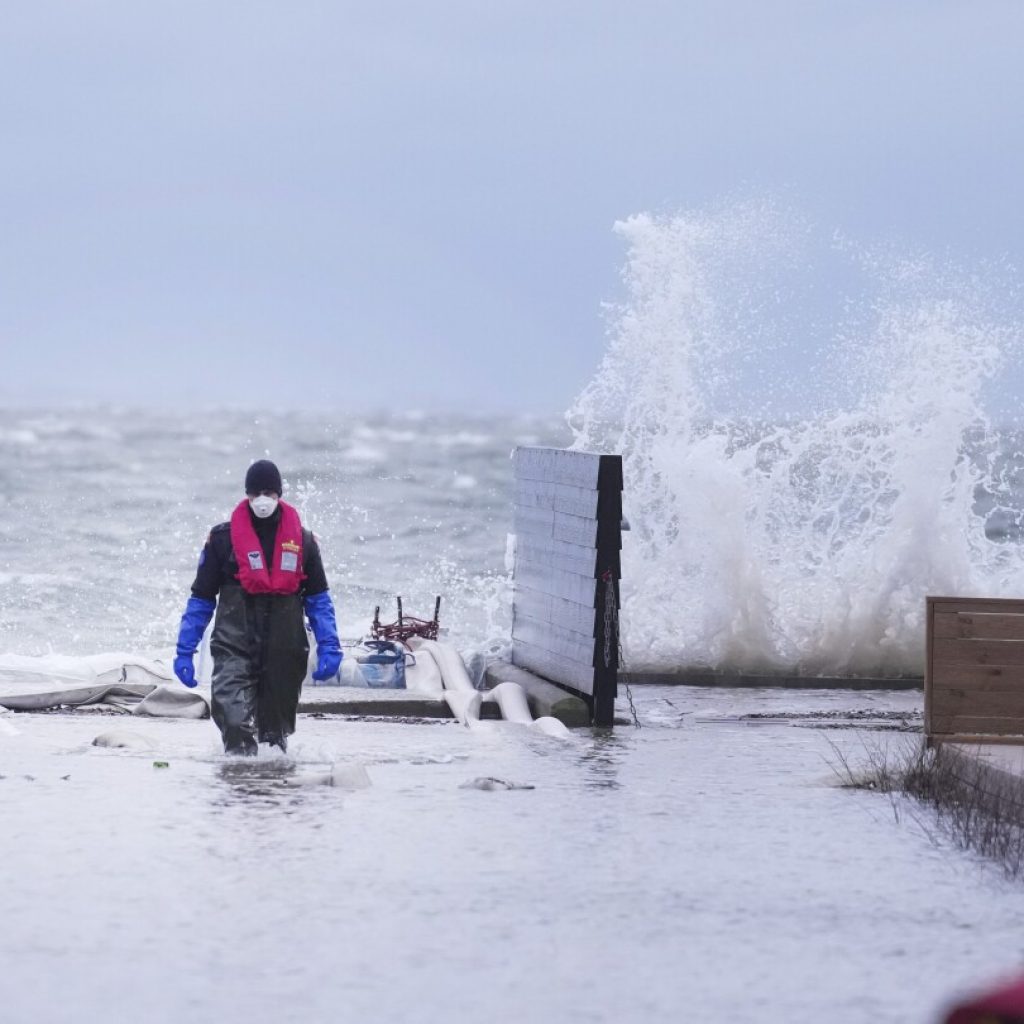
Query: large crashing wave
[801,544]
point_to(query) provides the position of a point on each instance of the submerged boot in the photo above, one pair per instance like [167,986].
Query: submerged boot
[276,740]
[239,741]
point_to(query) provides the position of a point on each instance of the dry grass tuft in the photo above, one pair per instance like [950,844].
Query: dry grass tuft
[979,807]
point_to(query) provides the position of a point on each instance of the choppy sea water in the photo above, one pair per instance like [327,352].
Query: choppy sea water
[103,513]
[792,551]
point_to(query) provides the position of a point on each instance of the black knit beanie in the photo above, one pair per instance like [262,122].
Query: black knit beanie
[263,476]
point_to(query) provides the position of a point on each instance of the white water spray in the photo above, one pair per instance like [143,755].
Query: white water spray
[805,546]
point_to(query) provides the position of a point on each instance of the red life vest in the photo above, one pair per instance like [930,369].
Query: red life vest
[285,575]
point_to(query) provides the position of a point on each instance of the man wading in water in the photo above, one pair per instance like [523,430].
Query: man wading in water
[267,570]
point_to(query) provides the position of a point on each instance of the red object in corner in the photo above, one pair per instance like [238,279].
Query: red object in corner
[1000,1006]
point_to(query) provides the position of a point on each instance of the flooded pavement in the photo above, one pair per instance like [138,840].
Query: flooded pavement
[702,867]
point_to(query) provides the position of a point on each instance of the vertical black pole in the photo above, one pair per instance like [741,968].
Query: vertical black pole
[607,572]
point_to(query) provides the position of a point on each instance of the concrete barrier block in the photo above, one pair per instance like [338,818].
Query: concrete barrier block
[545,698]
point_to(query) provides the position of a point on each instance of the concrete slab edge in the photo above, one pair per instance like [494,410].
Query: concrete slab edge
[369,708]
[737,680]
[991,782]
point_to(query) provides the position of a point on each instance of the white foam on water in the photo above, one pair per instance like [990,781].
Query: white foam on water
[804,545]
[368,453]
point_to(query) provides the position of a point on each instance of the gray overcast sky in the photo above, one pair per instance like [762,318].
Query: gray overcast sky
[267,202]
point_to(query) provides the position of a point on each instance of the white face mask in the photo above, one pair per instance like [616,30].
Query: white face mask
[263,506]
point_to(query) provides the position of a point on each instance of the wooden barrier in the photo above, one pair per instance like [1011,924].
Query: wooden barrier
[974,673]
[565,607]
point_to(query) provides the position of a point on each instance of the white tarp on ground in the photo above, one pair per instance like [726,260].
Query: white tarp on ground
[147,700]
[26,674]
[141,686]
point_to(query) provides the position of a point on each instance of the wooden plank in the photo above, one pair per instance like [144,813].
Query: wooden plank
[974,605]
[998,725]
[945,625]
[979,626]
[565,585]
[558,555]
[544,522]
[929,647]
[550,666]
[562,642]
[976,740]
[979,678]
[530,548]
[547,608]
[532,521]
[570,631]
[574,501]
[985,704]
[556,465]
[978,652]
[575,530]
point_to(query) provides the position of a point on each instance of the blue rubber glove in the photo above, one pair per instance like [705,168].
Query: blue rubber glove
[198,613]
[328,663]
[320,612]
[185,670]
